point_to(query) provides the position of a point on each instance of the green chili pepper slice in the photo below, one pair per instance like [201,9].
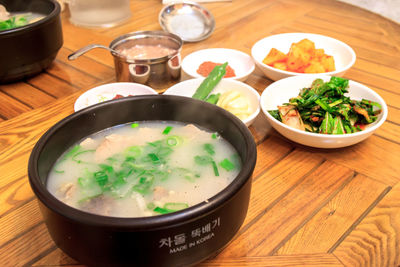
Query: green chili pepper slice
[210,82]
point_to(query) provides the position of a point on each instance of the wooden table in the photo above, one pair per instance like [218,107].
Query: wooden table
[314,207]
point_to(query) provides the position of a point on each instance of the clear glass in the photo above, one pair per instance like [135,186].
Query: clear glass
[98,13]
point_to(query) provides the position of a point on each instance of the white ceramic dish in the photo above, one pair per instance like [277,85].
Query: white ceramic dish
[240,62]
[280,91]
[343,54]
[109,91]
[188,87]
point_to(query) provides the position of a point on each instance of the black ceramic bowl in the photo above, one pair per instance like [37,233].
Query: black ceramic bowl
[177,239]
[28,50]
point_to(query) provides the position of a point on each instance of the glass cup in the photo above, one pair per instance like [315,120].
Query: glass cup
[98,13]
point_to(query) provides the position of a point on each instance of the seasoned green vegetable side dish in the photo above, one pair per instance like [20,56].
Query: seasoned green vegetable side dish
[324,108]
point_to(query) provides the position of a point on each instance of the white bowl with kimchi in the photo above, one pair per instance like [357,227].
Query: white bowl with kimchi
[279,93]
[343,55]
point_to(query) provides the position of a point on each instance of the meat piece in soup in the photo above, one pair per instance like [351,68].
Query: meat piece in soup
[144,169]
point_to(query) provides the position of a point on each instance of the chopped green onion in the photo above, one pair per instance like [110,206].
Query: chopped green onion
[167,130]
[72,151]
[79,153]
[176,206]
[164,151]
[101,178]
[170,207]
[162,210]
[145,182]
[134,125]
[107,168]
[215,168]
[133,151]
[162,175]
[209,148]
[173,140]
[154,158]
[119,182]
[85,199]
[214,136]
[13,22]
[203,160]
[154,144]
[83,181]
[227,165]
[187,174]
[151,205]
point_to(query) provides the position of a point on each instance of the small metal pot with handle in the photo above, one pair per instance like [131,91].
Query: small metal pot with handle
[156,72]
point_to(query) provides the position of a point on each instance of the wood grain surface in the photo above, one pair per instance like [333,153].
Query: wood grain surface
[308,207]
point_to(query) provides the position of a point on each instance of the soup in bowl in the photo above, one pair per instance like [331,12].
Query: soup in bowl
[164,146]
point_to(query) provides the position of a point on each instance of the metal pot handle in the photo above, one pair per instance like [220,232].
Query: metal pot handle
[85,49]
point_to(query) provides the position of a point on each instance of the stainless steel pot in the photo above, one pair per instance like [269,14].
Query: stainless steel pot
[158,73]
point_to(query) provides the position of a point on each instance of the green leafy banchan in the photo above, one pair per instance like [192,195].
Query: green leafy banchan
[324,108]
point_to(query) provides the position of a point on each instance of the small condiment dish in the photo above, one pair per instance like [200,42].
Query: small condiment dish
[187,88]
[189,20]
[281,91]
[109,91]
[343,55]
[240,62]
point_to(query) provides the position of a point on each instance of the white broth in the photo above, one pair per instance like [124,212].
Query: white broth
[144,168]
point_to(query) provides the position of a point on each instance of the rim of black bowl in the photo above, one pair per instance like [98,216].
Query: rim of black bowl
[143,223]
[55,12]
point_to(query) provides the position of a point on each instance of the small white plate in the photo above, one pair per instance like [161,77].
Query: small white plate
[108,91]
[240,62]
[188,88]
[189,20]
[343,55]
[281,91]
